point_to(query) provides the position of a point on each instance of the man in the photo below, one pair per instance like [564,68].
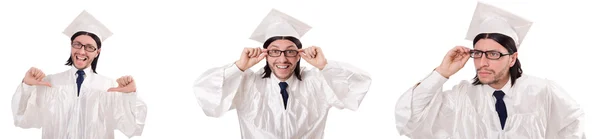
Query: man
[79,103]
[501,102]
[282,100]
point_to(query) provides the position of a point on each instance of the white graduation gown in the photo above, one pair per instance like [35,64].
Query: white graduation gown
[537,109]
[259,103]
[95,114]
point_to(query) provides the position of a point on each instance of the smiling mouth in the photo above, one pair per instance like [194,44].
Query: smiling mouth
[78,58]
[282,67]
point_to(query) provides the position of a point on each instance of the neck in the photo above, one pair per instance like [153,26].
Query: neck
[82,68]
[498,85]
[285,79]
[282,79]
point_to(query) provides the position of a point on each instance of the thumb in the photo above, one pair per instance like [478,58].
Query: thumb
[44,83]
[262,56]
[465,59]
[304,56]
[115,89]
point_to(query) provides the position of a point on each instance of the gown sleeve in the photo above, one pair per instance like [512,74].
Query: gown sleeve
[426,110]
[129,112]
[27,105]
[345,85]
[566,118]
[218,89]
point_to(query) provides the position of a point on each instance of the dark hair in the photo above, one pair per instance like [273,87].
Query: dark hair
[507,42]
[267,73]
[98,43]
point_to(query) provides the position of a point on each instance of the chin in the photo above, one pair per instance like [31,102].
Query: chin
[80,67]
[485,81]
[286,76]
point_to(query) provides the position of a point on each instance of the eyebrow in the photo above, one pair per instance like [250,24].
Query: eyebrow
[278,46]
[85,44]
[493,50]
[487,50]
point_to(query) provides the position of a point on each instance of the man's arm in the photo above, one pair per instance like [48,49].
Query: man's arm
[217,89]
[348,84]
[26,106]
[566,116]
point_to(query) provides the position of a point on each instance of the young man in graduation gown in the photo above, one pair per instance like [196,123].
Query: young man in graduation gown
[79,103]
[501,102]
[282,100]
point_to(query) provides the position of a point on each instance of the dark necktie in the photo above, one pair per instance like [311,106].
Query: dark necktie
[500,106]
[80,75]
[284,93]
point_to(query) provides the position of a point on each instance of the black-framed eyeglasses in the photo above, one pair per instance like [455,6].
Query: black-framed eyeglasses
[89,48]
[287,53]
[493,55]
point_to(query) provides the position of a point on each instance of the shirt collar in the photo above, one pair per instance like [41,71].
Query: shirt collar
[506,88]
[74,70]
[290,81]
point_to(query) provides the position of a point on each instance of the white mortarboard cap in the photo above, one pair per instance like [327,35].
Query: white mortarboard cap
[86,22]
[490,19]
[277,23]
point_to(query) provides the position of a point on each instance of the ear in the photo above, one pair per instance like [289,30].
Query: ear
[513,58]
[98,52]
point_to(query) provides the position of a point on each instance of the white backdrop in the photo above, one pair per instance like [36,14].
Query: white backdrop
[167,45]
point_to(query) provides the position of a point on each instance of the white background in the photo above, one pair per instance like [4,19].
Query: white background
[167,45]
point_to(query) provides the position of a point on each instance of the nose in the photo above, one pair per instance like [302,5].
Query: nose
[281,58]
[484,61]
[80,50]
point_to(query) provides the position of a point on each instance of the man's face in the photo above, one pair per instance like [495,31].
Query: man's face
[492,67]
[83,51]
[282,63]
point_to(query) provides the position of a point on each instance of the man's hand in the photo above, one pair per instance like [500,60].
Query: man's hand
[126,85]
[35,76]
[454,60]
[314,56]
[250,57]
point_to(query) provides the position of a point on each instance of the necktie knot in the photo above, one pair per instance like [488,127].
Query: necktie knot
[283,85]
[80,72]
[499,94]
